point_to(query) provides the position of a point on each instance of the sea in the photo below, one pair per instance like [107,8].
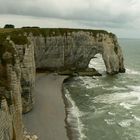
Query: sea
[106,107]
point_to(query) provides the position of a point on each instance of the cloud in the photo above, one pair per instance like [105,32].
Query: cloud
[87,13]
[73,9]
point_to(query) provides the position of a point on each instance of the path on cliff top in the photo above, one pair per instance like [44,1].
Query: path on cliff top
[46,120]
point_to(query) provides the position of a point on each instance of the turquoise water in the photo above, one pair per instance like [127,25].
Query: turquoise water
[107,107]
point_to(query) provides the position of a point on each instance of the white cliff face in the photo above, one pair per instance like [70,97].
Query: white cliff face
[20,77]
[11,105]
[112,55]
[75,51]
[6,127]
[16,107]
[27,66]
[49,52]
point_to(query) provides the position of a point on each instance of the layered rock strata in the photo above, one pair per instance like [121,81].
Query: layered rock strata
[22,51]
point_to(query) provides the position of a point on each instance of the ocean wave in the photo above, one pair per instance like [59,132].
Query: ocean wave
[111,98]
[135,91]
[136,118]
[89,82]
[125,123]
[134,88]
[133,72]
[86,95]
[74,115]
[114,88]
[112,114]
[125,99]
[109,121]
[127,105]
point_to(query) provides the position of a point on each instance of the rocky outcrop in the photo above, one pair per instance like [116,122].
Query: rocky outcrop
[25,50]
[27,66]
[16,67]
[10,94]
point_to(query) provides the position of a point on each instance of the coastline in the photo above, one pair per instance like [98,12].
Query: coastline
[47,120]
[67,126]
[73,133]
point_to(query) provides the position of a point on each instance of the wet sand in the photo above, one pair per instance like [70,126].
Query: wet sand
[47,119]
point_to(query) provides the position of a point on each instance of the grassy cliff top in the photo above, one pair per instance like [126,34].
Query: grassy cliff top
[18,34]
[61,31]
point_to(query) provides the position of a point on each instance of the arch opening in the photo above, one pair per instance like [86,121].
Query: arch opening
[98,63]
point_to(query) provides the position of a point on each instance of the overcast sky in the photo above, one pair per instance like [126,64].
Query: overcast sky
[121,17]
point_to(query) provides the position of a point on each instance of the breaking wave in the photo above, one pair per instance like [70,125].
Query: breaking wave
[133,72]
[74,115]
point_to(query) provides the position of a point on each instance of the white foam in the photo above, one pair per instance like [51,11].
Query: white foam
[111,98]
[109,121]
[114,88]
[127,105]
[112,114]
[73,85]
[133,72]
[134,88]
[136,118]
[87,95]
[125,99]
[135,91]
[119,88]
[74,116]
[89,82]
[125,123]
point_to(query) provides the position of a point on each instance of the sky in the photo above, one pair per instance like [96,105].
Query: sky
[121,17]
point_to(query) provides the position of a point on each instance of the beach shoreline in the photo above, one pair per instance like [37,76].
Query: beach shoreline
[68,127]
[48,118]
[73,132]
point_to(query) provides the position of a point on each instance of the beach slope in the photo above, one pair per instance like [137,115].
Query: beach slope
[47,119]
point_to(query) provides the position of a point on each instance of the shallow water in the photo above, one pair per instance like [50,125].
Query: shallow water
[107,107]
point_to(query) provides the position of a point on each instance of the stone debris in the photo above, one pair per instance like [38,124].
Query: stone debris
[28,137]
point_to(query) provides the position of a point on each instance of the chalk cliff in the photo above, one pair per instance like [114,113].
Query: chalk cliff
[22,51]
[17,73]
[10,93]
[75,50]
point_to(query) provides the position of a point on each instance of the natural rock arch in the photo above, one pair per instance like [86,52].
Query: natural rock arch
[76,50]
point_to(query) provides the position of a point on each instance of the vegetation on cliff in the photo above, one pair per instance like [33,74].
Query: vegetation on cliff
[9,26]
[19,35]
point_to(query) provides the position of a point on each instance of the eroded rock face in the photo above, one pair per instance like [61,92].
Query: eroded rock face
[11,127]
[27,66]
[75,51]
